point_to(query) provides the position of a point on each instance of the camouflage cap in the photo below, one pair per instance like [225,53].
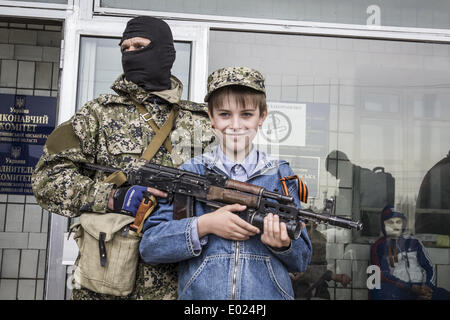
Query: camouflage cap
[243,76]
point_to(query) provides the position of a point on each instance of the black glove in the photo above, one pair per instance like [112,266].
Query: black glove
[128,199]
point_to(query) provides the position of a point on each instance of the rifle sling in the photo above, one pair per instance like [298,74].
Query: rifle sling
[162,133]
[119,178]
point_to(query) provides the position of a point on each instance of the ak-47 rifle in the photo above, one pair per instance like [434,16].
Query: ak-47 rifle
[215,190]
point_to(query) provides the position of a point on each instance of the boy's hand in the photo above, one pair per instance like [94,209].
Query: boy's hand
[275,233]
[224,223]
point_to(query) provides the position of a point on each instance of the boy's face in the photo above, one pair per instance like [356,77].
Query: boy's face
[236,127]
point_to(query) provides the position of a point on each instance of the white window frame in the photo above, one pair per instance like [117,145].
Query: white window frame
[11,8]
[290,26]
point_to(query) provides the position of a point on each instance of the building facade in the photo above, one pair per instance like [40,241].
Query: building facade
[358,94]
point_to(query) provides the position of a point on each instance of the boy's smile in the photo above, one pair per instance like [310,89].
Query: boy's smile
[236,127]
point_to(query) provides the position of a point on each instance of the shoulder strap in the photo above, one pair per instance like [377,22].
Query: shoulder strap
[162,133]
[118,177]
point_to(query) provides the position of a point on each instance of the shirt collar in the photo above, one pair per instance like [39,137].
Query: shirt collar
[249,163]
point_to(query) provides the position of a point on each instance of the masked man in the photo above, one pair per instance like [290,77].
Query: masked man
[407,272]
[111,131]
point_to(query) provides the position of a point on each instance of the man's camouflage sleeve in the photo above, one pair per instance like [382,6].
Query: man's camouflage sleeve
[58,184]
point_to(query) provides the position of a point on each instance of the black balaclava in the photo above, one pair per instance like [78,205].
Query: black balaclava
[149,67]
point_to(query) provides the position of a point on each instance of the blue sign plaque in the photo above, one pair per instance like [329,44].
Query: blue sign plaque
[25,124]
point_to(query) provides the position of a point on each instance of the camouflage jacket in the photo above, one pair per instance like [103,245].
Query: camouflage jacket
[109,131]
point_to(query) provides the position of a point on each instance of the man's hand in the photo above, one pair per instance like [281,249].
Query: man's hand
[128,199]
[275,233]
[226,224]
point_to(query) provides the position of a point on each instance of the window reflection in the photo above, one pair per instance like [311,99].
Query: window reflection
[376,120]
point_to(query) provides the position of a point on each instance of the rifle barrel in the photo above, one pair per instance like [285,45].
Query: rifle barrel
[332,220]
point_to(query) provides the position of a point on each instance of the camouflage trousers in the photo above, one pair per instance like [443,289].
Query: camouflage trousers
[152,283]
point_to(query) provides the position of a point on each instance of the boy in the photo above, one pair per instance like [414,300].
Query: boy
[221,255]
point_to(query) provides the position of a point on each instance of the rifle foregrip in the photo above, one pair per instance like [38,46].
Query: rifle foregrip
[243,186]
[231,197]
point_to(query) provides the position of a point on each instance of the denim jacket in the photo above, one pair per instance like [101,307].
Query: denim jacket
[226,269]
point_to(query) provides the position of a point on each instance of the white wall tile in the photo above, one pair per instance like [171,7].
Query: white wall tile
[6,51]
[26,52]
[335,251]
[43,76]
[7,91]
[41,264]
[343,294]
[30,199]
[55,76]
[51,54]
[2,216]
[35,26]
[37,240]
[343,235]
[26,289]
[39,290]
[4,35]
[359,274]
[32,219]
[347,119]
[289,88]
[44,225]
[16,198]
[9,240]
[321,90]
[22,36]
[8,76]
[17,25]
[357,252]
[29,264]
[25,77]
[10,263]
[48,39]
[27,92]
[8,289]
[443,276]
[14,217]
[42,93]
[52,28]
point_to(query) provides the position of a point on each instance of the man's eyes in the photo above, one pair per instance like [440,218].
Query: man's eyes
[136,46]
[140,46]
